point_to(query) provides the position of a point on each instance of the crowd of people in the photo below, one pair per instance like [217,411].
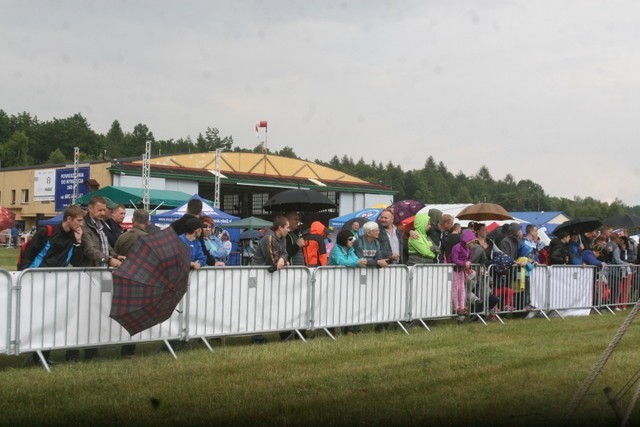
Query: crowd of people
[96,238]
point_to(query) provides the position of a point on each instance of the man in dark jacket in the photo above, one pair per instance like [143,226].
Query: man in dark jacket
[510,244]
[194,208]
[64,243]
[59,249]
[115,217]
[558,248]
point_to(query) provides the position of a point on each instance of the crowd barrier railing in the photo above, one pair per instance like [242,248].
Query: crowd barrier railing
[358,296]
[247,300]
[6,285]
[430,292]
[68,308]
[65,308]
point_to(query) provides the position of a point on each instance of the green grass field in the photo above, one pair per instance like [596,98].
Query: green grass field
[522,373]
[8,258]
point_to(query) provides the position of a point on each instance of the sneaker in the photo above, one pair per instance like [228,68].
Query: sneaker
[617,309]
[509,308]
[531,307]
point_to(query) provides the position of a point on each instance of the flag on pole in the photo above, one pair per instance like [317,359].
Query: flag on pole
[260,124]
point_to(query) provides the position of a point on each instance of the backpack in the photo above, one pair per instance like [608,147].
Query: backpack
[38,259]
[502,263]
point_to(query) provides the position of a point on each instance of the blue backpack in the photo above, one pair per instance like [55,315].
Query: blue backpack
[502,263]
[37,260]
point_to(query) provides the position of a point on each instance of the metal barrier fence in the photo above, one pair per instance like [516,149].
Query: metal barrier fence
[242,300]
[6,283]
[358,296]
[618,287]
[430,296]
[64,308]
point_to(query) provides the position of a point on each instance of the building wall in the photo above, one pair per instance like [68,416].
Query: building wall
[20,182]
[351,202]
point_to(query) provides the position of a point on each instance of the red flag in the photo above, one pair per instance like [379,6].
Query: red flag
[260,124]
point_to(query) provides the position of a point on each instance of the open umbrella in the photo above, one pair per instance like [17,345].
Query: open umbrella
[484,212]
[151,281]
[299,200]
[250,223]
[251,234]
[623,220]
[360,220]
[405,209]
[578,225]
[7,218]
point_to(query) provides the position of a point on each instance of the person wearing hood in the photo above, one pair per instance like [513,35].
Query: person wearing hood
[315,249]
[461,258]
[422,249]
[510,244]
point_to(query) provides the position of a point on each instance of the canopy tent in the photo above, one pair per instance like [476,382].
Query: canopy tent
[216,215]
[132,197]
[52,221]
[369,213]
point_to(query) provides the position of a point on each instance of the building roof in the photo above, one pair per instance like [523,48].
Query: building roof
[252,169]
[538,218]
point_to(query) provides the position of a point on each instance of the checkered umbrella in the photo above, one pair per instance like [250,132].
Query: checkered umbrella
[151,281]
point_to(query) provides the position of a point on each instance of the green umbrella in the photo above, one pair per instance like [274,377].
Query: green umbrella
[250,223]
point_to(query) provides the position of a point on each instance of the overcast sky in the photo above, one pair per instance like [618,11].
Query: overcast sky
[544,90]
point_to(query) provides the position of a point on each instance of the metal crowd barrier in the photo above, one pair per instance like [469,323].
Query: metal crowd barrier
[430,292]
[358,296]
[242,300]
[6,285]
[619,287]
[64,308]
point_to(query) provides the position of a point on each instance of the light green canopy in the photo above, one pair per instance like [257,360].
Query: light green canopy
[251,223]
[131,197]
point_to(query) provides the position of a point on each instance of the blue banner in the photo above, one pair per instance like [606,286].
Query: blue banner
[64,186]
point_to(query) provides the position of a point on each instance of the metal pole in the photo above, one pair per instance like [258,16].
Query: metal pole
[146,173]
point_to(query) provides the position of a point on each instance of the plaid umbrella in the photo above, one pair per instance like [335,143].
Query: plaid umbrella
[151,281]
[405,209]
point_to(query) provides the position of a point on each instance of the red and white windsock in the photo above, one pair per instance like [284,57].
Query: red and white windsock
[260,124]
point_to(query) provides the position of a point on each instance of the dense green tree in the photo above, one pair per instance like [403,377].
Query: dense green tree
[56,157]
[15,151]
[211,141]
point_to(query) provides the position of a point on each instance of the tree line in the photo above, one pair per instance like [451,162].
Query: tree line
[26,141]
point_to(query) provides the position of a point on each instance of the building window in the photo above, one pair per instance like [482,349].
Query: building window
[25,196]
[231,204]
[258,200]
[13,197]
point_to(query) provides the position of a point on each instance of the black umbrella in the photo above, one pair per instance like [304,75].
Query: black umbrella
[299,200]
[623,220]
[578,225]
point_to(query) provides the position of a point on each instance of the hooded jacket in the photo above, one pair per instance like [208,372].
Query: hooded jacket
[315,250]
[422,245]
[460,253]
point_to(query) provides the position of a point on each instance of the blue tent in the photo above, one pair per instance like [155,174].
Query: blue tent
[370,213]
[51,221]
[219,218]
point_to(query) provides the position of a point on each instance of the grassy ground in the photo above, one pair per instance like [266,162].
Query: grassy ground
[8,258]
[522,373]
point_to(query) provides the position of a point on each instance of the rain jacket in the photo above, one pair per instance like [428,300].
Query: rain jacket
[422,245]
[315,250]
[460,253]
[270,249]
[343,256]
